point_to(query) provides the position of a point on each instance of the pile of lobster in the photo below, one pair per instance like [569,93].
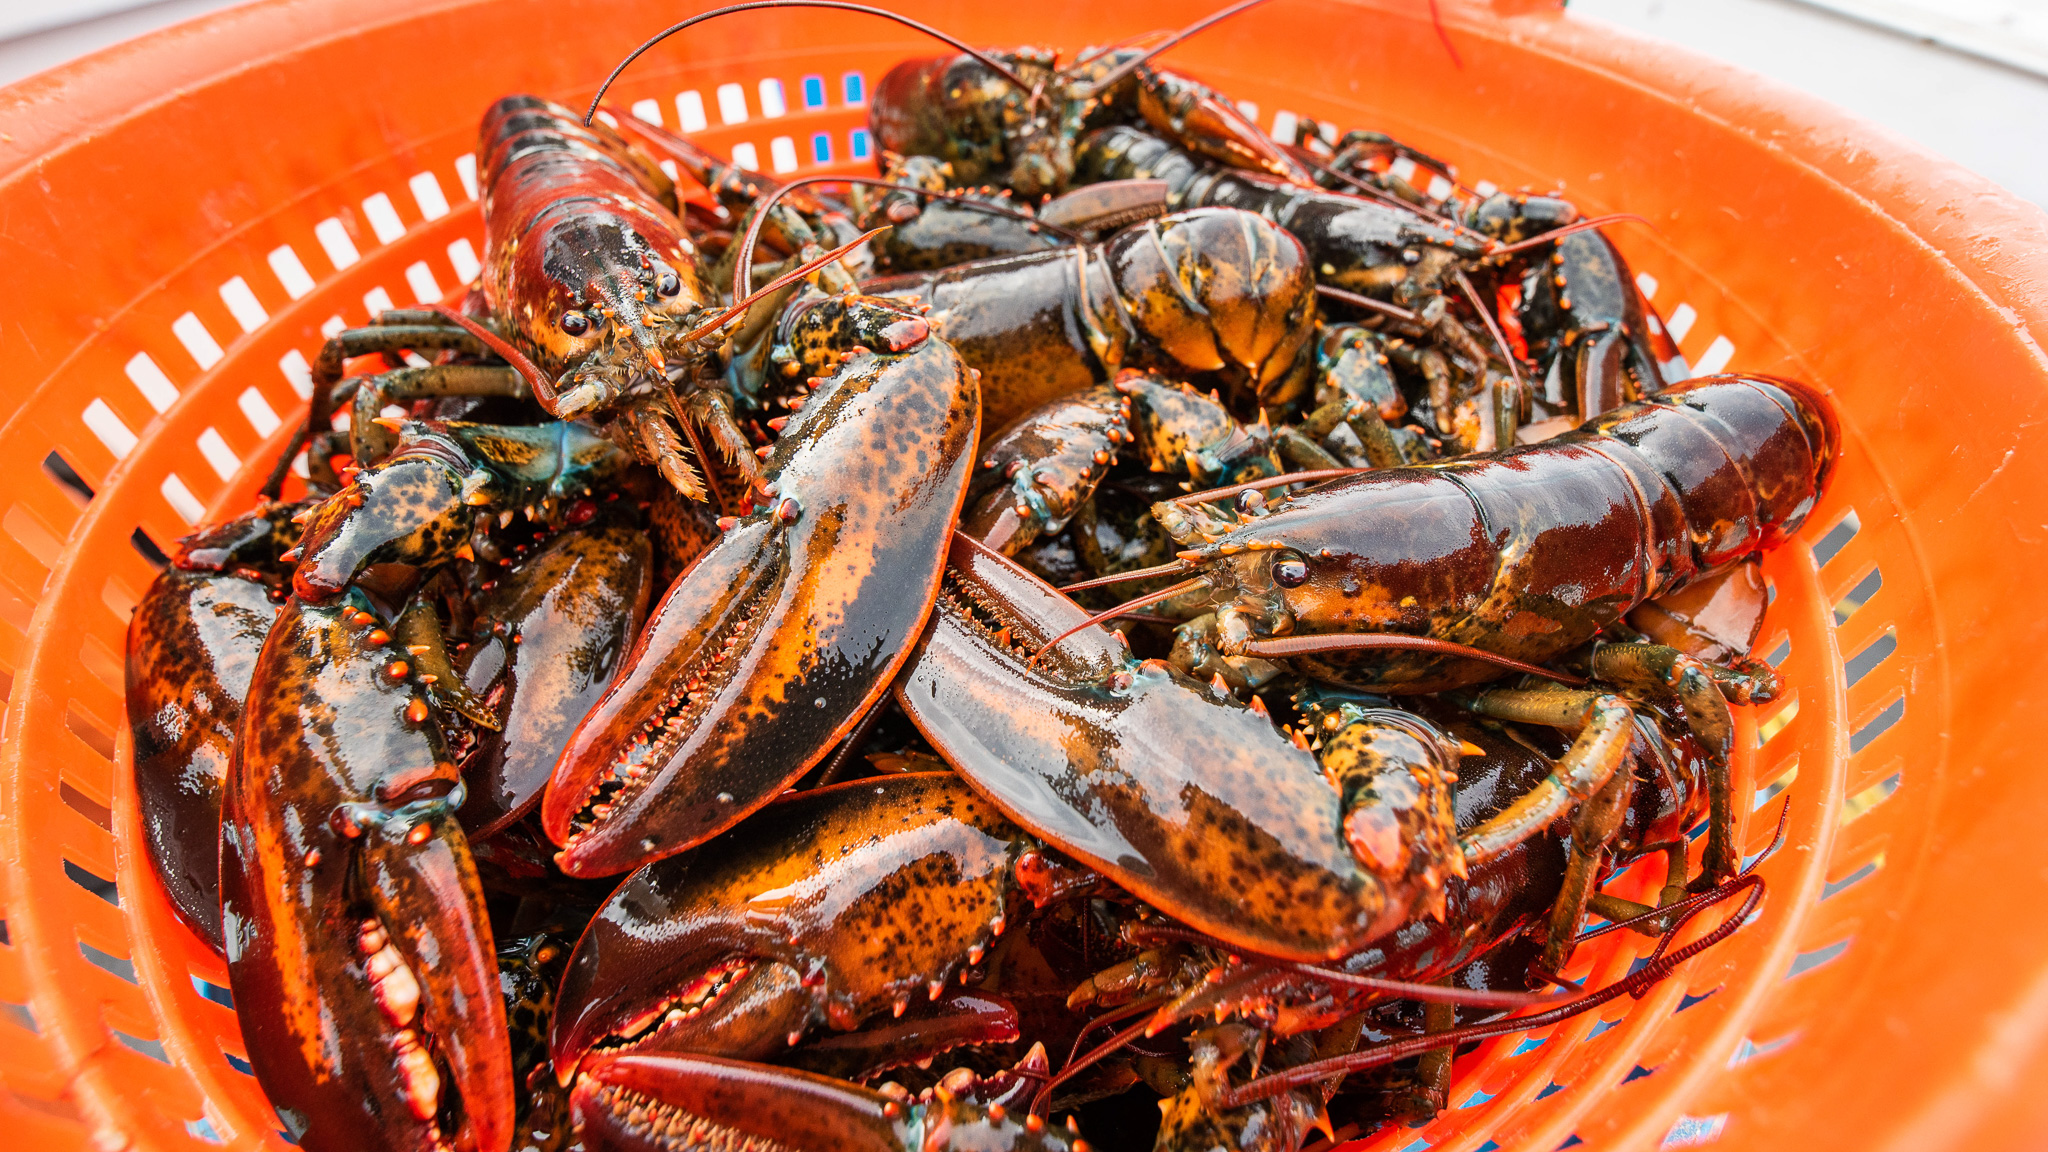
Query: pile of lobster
[685,709]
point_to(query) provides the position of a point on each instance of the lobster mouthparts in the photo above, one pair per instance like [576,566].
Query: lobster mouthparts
[770,648]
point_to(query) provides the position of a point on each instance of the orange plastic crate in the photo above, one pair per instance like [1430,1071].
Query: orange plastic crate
[182,217]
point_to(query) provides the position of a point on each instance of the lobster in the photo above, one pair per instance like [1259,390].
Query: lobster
[1432,579]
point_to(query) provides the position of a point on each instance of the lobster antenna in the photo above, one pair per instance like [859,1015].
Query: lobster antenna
[1659,965]
[1129,66]
[743,264]
[1436,20]
[839,5]
[1144,601]
[1560,233]
[1284,646]
[1500,339]
[1169,569]
[787,278]
[1407,989]
[1315,476]
[543,388]
[1368,303]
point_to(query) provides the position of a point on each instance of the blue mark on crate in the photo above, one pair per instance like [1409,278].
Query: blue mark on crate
[1476,1099]
[1489,1146]
[857,141]
[1689,999]
[239,1064]
[1571,1141]
[20,1014]
[99,886]
[1807,961]
[814,91]
[154,1049]
[214,992]
[108,962]
[1750,1050]
[854,88]
[821,147]
[1528,1044]
[204,1130]
[1554,1088]
[1416,1145]
[4,937]
[1637,1073]
[1689,1131]
[1603,1026]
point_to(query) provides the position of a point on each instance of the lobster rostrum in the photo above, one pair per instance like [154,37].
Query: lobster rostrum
[770,648]
[1109,758]
[844,907]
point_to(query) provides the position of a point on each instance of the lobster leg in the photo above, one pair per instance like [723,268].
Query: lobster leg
[370,441]
[1593,829]
[1690,680]
[1606,724]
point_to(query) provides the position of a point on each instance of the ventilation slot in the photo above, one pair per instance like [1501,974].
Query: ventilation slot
[108,962]
[1836,538]
[1878,726]
[87,729]
[148,549]
[154,1049]
[86,806]
[1861,874]
[1858,806]
[1859,665]
[99,886]
[1858,596]
[208,990]
[59,469]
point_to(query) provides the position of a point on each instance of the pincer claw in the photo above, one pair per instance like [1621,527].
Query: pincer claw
[635,1104]
[770,648]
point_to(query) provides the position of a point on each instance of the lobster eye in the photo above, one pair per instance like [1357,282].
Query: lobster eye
[575,323]
[669,284]
[1290,572]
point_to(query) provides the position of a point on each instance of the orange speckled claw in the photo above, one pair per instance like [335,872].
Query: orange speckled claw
[638,1103]
[358,946]
[742,948]
[770,648]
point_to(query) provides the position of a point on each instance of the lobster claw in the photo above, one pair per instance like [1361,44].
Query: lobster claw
[1138,771]
[358,946]
[738,949]
[779,638]
[634,1103]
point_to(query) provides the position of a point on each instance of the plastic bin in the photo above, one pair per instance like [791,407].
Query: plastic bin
[183,216]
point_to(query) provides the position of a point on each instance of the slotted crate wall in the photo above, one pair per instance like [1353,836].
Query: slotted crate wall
[188,215]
